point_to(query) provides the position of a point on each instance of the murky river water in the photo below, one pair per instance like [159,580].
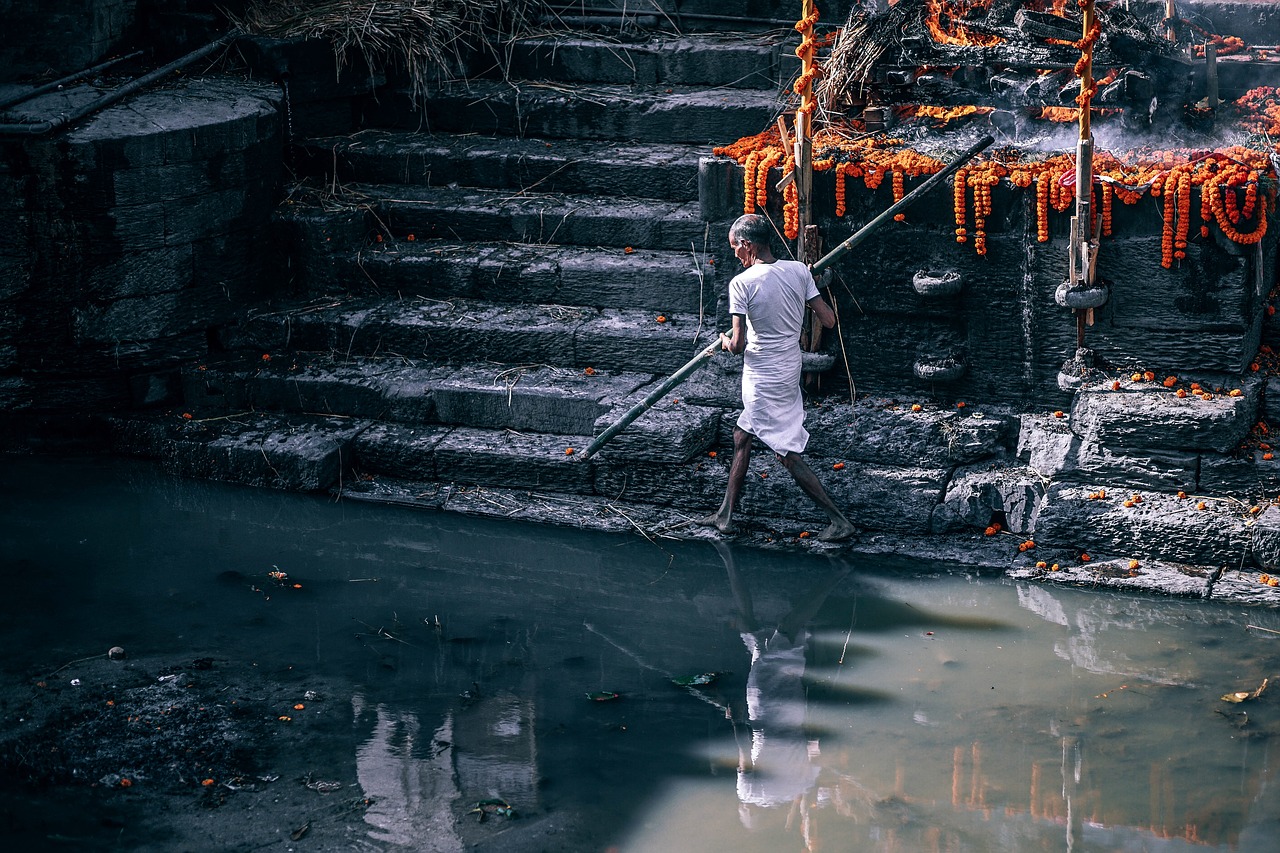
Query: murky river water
[856,704]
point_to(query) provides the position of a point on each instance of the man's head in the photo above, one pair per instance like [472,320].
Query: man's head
[749,238]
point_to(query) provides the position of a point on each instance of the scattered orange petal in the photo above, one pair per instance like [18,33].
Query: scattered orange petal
[1133,564]
[284,718]
[1149,376]
[410,237]
[126,783]
[299,707]
[804,534]
[568,451]
[590,371]
[628,250]
[1236,392]
[266,356]
[1170,381]
[1181,392]
[1084,558]
[711,453]
[1268,456]
[839,466]
[186,416]
[1115,386]
[960,405]
[1058,414]
[207,782]
[1041,564]
[1182,496]
[1202,505]
[915,407]
[1137,377]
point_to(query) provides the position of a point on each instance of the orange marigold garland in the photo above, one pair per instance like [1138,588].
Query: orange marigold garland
[958,194]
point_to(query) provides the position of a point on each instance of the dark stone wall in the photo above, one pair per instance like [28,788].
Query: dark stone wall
[1205,314]
[128,238]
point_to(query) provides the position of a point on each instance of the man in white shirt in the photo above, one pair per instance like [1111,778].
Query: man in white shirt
[767,301]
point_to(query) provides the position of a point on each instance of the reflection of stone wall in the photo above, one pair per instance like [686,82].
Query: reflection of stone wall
[61,36]
[129,237]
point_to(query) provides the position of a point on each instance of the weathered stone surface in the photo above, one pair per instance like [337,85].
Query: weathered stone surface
[1155,418]
[546,218]
[1242,586]
[717,384]
[298,453]
[667,171]
[1161,527]
[1266,539]
[975,494]
[1271,400]
[541,399]
[1243,475]
[685,60]
[1152,576]
[398,450]
[672,430]
[513,460]
[1049,447]
[886,432]
[692,486]
[642,114]
[635,340]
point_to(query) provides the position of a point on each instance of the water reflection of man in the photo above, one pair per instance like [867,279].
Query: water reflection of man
[779,768]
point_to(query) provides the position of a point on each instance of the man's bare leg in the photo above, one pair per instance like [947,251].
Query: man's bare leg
[840,527]
[722,519]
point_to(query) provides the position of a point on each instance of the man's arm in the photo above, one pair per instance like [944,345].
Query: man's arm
[736,341]
[822,311]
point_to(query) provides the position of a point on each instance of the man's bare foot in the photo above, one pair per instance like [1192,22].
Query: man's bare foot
[719,522]
[837,531]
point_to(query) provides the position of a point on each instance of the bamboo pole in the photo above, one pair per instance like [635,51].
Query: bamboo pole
[1082,247]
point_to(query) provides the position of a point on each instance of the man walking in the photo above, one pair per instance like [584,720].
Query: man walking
[767,301]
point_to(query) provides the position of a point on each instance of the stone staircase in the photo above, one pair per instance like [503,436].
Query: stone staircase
[477,285]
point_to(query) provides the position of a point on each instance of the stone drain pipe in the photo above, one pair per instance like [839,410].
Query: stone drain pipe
[42,127]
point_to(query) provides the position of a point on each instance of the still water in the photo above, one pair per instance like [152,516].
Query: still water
[852,704]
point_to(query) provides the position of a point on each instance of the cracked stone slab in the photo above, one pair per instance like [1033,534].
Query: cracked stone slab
[282,452]
[1243,586]
[975,493]
[1161,527]
[885,432]
[512,460]
[1149,416]
[472,213]
[1160,578]
[399,450]
[536,398]
[672,430]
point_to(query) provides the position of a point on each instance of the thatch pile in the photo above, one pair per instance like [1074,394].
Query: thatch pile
[429,39]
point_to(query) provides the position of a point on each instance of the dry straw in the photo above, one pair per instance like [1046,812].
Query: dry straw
[430,40]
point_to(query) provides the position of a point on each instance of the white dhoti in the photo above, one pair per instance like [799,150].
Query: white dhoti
[772,405]
[772,297]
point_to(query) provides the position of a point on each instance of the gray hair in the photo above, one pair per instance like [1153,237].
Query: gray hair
[751,228]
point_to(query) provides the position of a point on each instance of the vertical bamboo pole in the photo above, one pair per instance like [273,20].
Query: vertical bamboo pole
[1081,234]
[804,125]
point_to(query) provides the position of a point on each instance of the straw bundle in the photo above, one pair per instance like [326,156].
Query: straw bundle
[429,39]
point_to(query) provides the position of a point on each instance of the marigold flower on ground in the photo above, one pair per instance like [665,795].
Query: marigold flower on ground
[839,466]
[1133,564]
[568,451]
[1084,558]
[915,407]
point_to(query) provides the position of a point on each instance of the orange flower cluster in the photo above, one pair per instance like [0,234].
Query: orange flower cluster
[1237,185]
[942,116]
[1227,45]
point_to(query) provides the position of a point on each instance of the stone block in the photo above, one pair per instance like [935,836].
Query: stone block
[540,399]
[299,454]
[720,191]
[672,430]
[1150,576]
[976,493]
[636,341]
[1161,527]
[514,461]
[1152,417]
[882,431]
[1271,400]
[1243,475]
[1242,586]
[398,450]
[695,487]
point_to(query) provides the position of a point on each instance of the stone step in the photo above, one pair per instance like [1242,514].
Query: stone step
[667,171]
[396,390]
[632,113]
[655,279]
[467,213]
[462,331]
[735,60]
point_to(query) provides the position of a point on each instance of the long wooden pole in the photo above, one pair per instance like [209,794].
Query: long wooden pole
[1081,247]
[910,198]
[654,396]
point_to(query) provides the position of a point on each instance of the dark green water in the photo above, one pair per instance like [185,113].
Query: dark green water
[889,706]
